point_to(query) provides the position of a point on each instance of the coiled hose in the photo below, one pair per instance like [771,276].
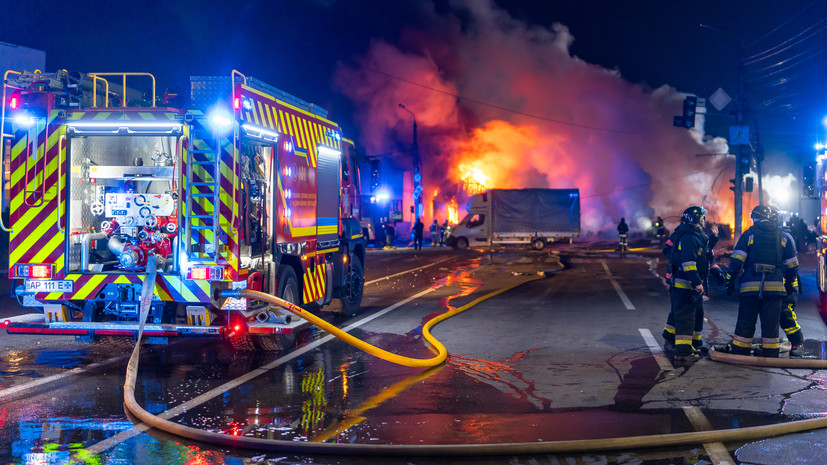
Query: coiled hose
[518,448]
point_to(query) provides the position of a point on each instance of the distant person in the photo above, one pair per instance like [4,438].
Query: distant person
[789,320]
[390,232]
[442,230]
[660,229]
[418,229]
[622,232]
[434,229]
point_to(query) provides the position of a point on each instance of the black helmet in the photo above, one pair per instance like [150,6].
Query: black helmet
[775,217]
[761,212]
[693,215]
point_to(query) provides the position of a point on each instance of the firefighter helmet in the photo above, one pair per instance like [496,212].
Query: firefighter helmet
[693,215]
[761,212]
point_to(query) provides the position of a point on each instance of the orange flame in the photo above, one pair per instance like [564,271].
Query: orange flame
[453,211]
[474,180]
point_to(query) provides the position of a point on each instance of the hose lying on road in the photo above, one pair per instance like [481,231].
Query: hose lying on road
[766,362]
[571,446]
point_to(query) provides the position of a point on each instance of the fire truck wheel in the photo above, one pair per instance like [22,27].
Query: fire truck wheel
[288,289]
[538,244]
[352,300]
[462,243]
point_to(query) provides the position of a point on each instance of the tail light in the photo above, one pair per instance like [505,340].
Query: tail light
[14,102]
[34,271]
[206,273]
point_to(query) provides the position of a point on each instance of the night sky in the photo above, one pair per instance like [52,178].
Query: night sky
[311,48]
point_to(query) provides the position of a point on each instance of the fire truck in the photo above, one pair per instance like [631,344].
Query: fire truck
[248,187]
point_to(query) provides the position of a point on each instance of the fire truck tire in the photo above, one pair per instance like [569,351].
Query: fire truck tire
[538,243]
[288,289]
[462,243]
[242,342]
[352,301]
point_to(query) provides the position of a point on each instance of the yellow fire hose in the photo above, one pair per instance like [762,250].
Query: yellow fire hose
[571,446]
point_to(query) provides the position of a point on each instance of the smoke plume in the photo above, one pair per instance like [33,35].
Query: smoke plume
[491,92]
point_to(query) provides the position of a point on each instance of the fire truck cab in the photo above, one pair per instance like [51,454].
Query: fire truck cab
[248,187]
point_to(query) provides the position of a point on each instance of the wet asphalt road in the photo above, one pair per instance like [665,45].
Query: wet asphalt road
[572,356]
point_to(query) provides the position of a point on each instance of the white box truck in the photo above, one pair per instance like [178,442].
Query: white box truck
[518,216]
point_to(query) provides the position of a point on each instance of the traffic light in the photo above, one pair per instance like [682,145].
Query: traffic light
[687,119]
[689,105]
[745,161]
[732,187]
[749,181]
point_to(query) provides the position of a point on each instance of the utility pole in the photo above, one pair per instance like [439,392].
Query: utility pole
[739,174]
[417,176]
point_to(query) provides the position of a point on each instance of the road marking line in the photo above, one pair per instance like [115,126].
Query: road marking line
[623,296]
[409,271]
[215,392]
[654,347]
[717,452]
[8,394]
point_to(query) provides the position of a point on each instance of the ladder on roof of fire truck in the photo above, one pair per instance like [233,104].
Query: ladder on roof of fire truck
[202,226]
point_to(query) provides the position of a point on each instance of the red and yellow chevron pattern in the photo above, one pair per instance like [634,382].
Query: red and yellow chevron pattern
[315,283]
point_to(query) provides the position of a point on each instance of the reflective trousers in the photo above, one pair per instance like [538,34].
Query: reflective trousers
[688,317]
[750,308]
[789,323]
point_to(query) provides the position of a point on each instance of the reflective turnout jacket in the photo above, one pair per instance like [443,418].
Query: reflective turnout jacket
[688,256]
[774,264]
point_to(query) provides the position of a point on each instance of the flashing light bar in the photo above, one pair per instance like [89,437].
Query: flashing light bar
[14,102]
[325,150]
[124,124]
[260,132]
[206,273]
[34,271]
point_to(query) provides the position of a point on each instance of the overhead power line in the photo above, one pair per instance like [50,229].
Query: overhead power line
[498,107]
[782,24]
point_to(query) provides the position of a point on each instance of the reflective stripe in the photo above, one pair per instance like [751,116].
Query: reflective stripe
[770,343]
[696,336]
[742,341]
[738,255]
[669,329]
[689,266]
[769,286]
[791,262]
[682,283]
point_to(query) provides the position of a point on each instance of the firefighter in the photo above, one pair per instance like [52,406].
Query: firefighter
[390,232]
[418,229]
[660,229]
[706,268]
[687,258]
[766,260]
[789,321]
[622,232]
[434,229]
[442,230]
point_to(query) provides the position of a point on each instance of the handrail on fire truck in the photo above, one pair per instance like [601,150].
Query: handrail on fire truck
[96,76]
[45,166]
[235,136]
[60,144]
[3,146]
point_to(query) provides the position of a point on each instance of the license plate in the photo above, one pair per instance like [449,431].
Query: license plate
[42,285]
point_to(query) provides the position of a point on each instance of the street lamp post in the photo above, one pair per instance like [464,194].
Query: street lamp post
[417,176]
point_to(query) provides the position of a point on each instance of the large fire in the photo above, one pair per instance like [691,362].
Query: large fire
[504,104]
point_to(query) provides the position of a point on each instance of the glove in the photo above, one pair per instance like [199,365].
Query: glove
[718,274]
[730,285]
